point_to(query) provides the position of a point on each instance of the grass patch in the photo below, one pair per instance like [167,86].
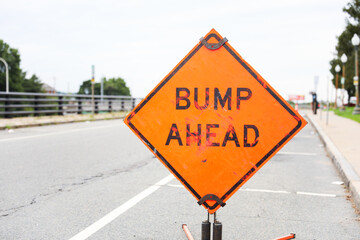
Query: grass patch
[348,114]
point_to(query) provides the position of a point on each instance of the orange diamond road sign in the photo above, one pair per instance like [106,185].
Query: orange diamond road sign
[213,121]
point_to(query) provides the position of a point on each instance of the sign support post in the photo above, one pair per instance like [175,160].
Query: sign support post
[206,229]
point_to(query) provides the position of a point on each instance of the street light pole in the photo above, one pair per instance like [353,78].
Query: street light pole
[356,41]
[343,60]
[6,74]
[337,70]
[92,89]
[327,100]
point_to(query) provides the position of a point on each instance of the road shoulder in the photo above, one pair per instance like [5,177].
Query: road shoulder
[347,170]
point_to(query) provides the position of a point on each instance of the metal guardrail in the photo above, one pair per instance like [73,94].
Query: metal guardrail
[35,104]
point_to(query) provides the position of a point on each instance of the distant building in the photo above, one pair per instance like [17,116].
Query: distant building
[48,89]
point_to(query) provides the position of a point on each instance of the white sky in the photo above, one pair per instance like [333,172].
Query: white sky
[287,41]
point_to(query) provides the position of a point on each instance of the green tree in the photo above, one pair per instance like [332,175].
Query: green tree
[116,86]
[344,45]
[17,78]
[12,57]
[112,86]
[85,88]
[32,84]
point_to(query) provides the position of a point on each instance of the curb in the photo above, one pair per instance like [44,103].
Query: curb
[62,121]
[56,123]
[347,172]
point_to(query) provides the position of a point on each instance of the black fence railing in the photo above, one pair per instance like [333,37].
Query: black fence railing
[16,104]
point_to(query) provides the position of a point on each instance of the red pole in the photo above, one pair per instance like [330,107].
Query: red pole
[291,236]
[187,232]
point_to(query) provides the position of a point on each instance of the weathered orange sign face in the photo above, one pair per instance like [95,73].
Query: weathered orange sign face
[213,121]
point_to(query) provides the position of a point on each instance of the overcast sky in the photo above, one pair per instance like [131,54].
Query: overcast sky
[287,42]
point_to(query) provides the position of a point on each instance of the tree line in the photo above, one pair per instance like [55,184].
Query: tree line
[19,82]
[112,86]
[344,46]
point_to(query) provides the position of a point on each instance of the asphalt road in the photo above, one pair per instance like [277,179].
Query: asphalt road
[57,181]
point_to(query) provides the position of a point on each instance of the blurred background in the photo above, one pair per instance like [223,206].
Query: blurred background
[288,42]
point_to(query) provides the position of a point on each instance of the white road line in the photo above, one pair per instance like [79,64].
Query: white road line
[337,183]
[87,232]
[271,191]
[297,153]
[57,133]
[175,185]
[316,194]
[263,190]
[286,192]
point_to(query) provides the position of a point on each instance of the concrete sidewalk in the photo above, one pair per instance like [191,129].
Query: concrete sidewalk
[9,123]
[341,137]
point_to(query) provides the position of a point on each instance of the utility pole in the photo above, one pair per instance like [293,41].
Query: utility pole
[102,89]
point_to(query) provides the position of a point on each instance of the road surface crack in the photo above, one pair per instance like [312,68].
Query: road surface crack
[7,212]
[69,187]
[101,176]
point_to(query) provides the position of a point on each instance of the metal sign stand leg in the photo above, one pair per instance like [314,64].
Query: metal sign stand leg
[217,229]
[205,229]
